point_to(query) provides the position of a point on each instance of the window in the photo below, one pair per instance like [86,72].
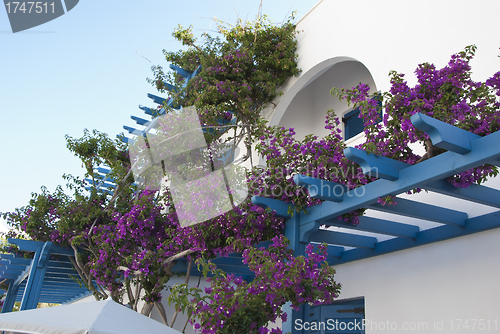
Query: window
[353,124]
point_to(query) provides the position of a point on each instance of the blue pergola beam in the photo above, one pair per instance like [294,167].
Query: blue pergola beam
[413,209]
[281,208]
[322,189]
[343,239]
[474,193]
[31,246]
[445,232]
[444,135]
[332,251]
[484,149]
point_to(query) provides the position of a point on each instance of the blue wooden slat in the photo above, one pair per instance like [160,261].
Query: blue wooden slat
[66,271]
[75,298]
[9,276]
[474,192]
[376,225]
[445,232]
[156,99]
[63,285]
[419,210]
[149,111]
[103,170]
[322,189]
[343,239]
[139,120]
[444,135]
[169,87]
[374,165]
[60,264]
[108,185]
[15,273]
[18,267]
[16,260]
[132,130]
[180,71]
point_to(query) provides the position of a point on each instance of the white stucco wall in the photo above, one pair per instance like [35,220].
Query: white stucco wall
[445,282]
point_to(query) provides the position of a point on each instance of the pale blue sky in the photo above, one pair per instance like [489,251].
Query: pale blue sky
[82,71]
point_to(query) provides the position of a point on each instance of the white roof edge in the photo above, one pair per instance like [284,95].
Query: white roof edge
[310,10]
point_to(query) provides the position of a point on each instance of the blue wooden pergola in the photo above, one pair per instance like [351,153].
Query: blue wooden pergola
[48,277]
[374,236]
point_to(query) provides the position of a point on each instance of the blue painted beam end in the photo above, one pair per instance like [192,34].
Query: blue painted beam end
[374,165]
[280,207]
[156,99]
[140,121]
[180,71]
[444,135]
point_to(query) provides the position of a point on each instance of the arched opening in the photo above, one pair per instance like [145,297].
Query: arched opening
[305,105]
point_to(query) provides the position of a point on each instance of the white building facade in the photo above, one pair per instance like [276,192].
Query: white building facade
[444,287]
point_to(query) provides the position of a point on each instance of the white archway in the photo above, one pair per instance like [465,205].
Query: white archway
[305,104]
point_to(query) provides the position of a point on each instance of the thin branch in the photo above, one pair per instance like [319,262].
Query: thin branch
[138,288]
[161,311]
[143,56]
[188,274]
[177,256]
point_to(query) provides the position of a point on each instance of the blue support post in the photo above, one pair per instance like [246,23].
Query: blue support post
[292,233]
[36,277]
[10,299]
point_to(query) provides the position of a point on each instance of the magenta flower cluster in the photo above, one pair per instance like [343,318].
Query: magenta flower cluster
[233,305]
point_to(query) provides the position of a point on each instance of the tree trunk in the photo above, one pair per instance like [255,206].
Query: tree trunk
[147,308]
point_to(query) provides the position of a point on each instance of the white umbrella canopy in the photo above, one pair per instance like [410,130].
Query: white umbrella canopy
[99,317]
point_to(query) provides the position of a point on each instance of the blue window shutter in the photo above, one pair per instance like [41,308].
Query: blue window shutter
[353,124]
